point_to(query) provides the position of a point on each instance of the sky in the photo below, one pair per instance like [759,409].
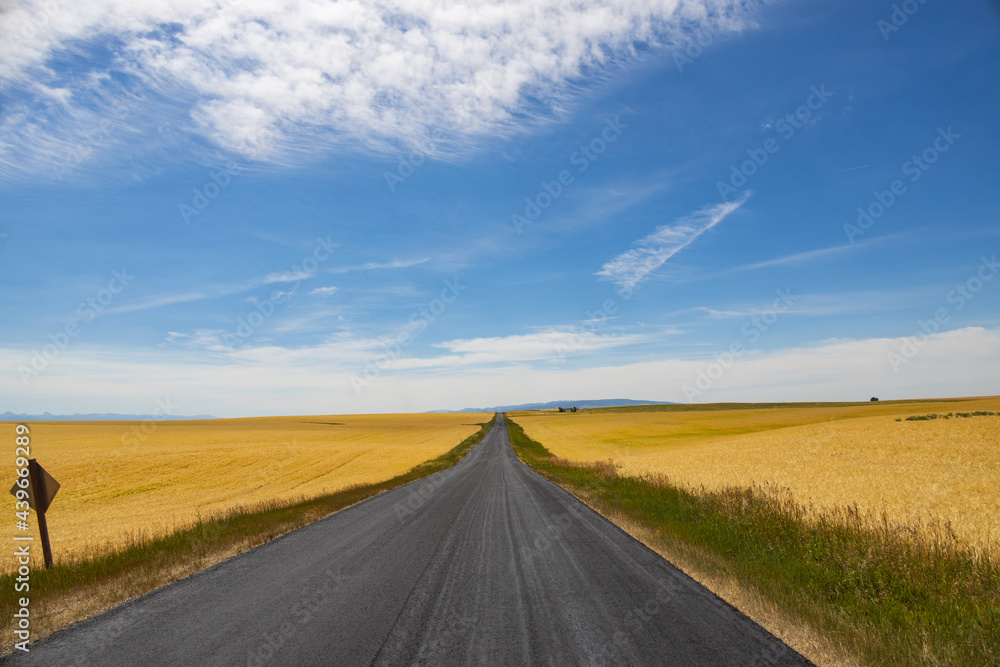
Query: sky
[273,208]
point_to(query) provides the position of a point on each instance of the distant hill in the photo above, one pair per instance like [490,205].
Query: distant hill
[49,417]
[552,405]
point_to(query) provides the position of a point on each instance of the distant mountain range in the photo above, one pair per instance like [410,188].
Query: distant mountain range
[49,417]
[551,405]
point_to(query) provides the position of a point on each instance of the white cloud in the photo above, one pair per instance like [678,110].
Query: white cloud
[373,266]
[553,344]
[214,292]
[799,257]
[629,268]
[274,78]
[812,256]
[716,314]
[324,291]
[348,350]
[201,339]
[837,303]
[159,301]
[271,380]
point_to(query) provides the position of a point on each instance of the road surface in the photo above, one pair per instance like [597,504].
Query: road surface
[483,564]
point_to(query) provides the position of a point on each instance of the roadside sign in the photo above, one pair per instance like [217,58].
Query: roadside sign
[42,489]
[48,487]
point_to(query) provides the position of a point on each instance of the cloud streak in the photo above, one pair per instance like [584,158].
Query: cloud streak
[212,293]
[374,266]
[652,251]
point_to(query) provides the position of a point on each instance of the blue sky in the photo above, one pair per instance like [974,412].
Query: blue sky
[303,208]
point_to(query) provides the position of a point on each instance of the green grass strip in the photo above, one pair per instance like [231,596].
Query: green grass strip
[887,594]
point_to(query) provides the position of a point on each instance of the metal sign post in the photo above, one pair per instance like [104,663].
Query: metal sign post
[38,485]
[41,490]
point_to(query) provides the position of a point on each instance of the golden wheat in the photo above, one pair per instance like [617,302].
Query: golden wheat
[120,483]
[919,472]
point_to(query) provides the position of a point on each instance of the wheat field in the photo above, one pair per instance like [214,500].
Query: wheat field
[918,472]
[119,482]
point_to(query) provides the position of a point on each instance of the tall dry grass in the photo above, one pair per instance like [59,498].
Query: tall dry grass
[942,472]
[121,483]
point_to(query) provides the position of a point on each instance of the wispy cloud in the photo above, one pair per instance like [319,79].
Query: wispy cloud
[324,291]
[543,345]
[808,256]
[215,292]
[273,80]
[160,301]
[629,268]
[841,303]
[200,339]
[602,204]
[374,266]
[721,314]
[796,258]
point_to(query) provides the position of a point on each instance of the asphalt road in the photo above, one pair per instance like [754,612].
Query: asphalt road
[483,564]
